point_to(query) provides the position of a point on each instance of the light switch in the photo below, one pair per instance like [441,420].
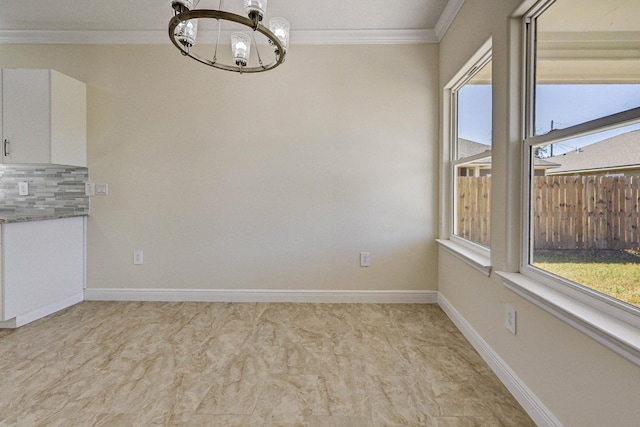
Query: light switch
[23,189]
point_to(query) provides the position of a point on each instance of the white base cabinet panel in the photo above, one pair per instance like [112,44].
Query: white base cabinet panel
[42,268]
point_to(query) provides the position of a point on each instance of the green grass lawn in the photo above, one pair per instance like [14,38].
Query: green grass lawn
[614,273]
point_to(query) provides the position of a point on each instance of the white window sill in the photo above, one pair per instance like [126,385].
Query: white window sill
[615,334]
[475,259]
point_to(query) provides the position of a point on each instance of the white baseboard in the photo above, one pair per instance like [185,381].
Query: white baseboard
[261,295]
[23,319]
[535,408]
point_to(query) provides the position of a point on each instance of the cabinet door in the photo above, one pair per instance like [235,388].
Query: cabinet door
[26,116]
[43,264]
[68,120]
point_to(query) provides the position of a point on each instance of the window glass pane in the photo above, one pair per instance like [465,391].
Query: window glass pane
[563,106]
[473,208]
[474,114]
[587,62]
[585,194]
[586,216]
[473,176]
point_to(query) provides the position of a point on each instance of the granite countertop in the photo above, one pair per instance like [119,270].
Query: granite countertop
[8,217]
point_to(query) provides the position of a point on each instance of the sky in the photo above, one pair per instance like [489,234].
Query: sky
[474,113]
[565,105]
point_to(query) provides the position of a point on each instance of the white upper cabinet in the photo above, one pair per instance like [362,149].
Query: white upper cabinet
[44,118]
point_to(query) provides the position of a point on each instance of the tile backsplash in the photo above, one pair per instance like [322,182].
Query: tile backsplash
[57,189]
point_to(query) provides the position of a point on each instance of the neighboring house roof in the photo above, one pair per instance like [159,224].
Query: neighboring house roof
[615,153]
[544,164]
[467,148]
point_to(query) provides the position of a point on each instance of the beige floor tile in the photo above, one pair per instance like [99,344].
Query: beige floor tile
[288,399]
[228,364]
[339,421]
[343,394]
[192,419]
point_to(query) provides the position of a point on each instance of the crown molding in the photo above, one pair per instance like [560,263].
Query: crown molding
[82,37]
[313,37]
[301,37]
[447,17]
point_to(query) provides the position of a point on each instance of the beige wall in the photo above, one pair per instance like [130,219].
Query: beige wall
[580,381]
[268,181]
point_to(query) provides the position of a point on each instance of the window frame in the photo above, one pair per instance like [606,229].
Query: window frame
[611,322]
[483,57]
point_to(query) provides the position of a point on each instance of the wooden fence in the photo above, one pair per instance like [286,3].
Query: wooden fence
[569,212]
[474,209]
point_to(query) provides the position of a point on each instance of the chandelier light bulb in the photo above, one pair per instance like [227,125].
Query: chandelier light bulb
[280,27]
[240,48]
[181,5]
[256,9]
[186,32]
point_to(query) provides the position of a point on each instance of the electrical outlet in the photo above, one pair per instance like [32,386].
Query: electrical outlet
[23,189]
[89,189]
[364,259]
[102,189]
[137,258]
[510,318]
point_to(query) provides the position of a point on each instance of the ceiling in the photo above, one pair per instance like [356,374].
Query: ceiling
[145,21]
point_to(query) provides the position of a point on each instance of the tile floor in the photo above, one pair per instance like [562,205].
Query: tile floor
[223,364]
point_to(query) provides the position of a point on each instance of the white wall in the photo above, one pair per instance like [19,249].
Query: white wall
[267,181]
[342,157]
[581,382]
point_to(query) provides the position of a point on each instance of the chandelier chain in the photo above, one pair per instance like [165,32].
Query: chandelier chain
[257,50]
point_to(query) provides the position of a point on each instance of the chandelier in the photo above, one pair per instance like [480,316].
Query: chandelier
[183,29]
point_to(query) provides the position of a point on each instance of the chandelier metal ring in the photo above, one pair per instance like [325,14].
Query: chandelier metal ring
[279,49]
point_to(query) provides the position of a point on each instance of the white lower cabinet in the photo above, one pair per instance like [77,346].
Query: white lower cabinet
[42,268]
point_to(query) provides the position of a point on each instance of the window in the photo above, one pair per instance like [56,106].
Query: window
[582,148]
[471,153]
